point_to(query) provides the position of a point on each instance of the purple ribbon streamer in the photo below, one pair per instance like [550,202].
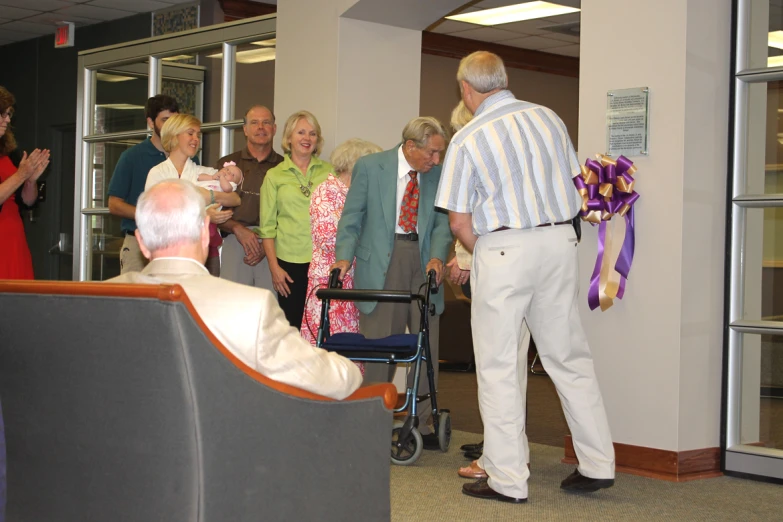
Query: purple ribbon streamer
[592,293]
[625,259]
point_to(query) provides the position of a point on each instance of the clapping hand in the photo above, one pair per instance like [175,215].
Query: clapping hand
[31,167]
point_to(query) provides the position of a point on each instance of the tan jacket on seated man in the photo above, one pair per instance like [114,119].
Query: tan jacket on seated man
[173,232]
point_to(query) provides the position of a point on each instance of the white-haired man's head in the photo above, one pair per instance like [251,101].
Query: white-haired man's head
[172,221]
[480,74]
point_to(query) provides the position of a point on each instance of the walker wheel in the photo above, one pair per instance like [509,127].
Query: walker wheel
[405,452]
[444,430]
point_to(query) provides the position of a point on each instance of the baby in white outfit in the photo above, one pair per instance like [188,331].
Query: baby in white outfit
[225,180]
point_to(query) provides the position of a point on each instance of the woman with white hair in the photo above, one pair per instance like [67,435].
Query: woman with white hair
[326,207]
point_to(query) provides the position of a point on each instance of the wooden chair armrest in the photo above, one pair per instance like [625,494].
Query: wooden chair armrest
[387,391]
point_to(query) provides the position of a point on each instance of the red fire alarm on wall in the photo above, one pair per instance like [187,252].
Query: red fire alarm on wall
[63,35]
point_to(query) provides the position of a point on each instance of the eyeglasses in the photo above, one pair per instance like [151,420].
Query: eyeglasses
[8,113]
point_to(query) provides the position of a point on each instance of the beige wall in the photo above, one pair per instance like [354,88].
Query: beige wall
[439,92]
[359,78]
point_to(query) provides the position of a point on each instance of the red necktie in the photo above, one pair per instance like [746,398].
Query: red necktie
[409,209]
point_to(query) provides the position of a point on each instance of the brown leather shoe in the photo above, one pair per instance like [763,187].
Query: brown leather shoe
[481,489]
[473,471]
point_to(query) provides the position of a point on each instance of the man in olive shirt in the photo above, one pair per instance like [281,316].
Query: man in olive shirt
[243,259]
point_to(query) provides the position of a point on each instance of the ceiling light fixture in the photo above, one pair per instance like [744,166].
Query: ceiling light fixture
[775,39]
[774,61]
[264,54]
[513,13]
[106,77]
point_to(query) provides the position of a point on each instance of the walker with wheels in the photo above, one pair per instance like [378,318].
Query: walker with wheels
[413,348]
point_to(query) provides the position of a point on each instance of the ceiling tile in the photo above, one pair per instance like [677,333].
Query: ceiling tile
[60,16]
[529,27]
[94,12]
[564,18]
[14,13]
[452,26]
[533,42]
[560,36]
[32,28]
[487,34]
[38,5]
[138,6]
[568,50]
[15,36]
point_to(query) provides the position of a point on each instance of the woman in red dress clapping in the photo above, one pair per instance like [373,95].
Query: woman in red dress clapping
[18,176]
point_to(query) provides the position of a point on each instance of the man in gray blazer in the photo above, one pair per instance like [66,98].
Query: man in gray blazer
[173,232]
[390,225]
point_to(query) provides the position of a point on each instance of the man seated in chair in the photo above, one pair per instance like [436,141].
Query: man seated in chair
[173,233]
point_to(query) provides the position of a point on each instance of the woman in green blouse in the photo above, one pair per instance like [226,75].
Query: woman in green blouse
[285,212]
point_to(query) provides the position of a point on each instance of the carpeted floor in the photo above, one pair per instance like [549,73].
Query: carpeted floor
[631,499]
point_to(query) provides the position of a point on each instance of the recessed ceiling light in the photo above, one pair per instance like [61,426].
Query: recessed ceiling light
[106,77]
[121,106]
[776,39]
[263,54]
[513,13]
[774,61]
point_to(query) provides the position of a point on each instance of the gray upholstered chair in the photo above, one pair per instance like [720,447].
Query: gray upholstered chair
[120,405]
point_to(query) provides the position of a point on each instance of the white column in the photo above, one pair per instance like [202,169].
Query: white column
[658,351]
[355,64]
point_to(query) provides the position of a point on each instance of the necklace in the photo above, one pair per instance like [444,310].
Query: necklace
[302,188]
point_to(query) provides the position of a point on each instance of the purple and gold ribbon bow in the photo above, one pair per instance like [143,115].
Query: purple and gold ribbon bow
[607,188]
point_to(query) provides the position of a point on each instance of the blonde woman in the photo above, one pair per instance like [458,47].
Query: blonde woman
[326,208]
[284,225]
[459,267]
[181,138]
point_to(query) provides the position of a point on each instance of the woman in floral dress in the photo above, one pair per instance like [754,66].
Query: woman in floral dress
[326,207]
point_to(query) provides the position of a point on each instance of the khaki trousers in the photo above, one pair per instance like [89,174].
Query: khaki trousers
[233,267]
[531,275]
[131,258]
[392,318]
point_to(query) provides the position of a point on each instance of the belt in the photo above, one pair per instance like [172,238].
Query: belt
[413,236]
[537,226]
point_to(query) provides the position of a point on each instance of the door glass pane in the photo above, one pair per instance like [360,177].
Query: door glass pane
[185,83]
[210,148]
[212,61]
[765,138]
[104,157]
[255,76]
[106,241]
[765,37]
[764,264]
[120,95]
[239,139]
[762,391]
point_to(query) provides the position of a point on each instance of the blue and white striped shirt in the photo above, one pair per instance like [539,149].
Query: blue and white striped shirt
[511,166]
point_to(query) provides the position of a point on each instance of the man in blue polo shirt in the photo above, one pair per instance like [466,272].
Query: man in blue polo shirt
[130,175]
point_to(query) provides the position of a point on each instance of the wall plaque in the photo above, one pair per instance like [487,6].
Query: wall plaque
[627,122]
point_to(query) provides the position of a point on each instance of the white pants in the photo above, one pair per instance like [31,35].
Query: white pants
[531,275]
[233,267]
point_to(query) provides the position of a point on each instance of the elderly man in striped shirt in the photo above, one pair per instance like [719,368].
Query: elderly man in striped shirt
[507,182]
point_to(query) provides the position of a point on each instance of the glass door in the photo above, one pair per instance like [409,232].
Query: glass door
[753,419]
[198,68]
